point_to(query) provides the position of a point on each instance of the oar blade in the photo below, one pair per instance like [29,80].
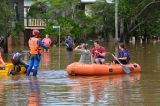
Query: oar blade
[126,69]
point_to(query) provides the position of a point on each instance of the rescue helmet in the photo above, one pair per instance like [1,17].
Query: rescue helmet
[35,32]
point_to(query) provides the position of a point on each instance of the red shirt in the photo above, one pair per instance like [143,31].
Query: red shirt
[95,52]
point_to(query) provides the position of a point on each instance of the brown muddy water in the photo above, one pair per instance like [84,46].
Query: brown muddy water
[54,87]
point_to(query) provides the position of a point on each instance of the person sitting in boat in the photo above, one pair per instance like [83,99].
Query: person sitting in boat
[1,59]
[85,53]
[17,62]
[98,53]
[123,55]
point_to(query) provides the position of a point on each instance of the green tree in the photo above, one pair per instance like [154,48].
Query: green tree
[6,14]
[135,14]
[5,23]
[64,13]
[136,17]
[103,17]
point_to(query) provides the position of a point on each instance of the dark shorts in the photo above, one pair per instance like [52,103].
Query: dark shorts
[122,61]
[69,49]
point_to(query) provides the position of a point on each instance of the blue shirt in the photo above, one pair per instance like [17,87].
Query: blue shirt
[69,43]
[124,53]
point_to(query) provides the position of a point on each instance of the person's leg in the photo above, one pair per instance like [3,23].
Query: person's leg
[30,66]
[115,62]
[97,60]
[123,61]
[23,63]
[36,65]
[101,60]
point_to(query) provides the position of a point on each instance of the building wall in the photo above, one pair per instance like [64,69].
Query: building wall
[27,4]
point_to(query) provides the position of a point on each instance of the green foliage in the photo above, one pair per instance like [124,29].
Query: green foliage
[103,17]
[140,16]
[17,29]
[134,14]
[64,14]
[6,16]
[39,8]
[66,25]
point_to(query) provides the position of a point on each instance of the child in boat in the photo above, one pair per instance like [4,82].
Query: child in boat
[85,53]
[123,55]
[1,59]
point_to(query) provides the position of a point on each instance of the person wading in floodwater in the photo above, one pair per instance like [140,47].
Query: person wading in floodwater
[35,45]
[47,41]
[69,43]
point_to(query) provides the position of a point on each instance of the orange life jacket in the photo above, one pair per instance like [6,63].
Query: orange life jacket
[34,46]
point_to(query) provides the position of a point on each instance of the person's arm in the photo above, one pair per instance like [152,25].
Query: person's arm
[123,58]
[66,43]
[42,44]
[76,47]
[92,56]
[103,54]
[79,50]
[125,55]
[43,40]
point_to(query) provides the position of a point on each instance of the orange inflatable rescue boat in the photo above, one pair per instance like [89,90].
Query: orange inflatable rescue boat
[100,69]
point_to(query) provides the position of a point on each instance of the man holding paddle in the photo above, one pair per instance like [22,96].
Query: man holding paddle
[123,55]
[98,53]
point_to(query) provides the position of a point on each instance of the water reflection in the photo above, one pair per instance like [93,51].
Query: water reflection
[103,89]
[34,92]
[46,59]
[69,57]
[55,87]
[2,87]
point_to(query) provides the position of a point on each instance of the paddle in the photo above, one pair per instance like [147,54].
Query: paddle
[125,69]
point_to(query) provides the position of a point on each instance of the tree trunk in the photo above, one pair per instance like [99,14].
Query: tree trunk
[27,34]
[105,33]
[121,30]
[5,45]
[145,32]
[126,33]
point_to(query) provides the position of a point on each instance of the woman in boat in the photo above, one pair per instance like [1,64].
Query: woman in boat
[85,53]
[123,55]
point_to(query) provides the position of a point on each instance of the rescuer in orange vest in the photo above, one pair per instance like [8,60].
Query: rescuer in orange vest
[35,45]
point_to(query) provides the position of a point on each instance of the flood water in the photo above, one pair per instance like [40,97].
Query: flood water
[53,86]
